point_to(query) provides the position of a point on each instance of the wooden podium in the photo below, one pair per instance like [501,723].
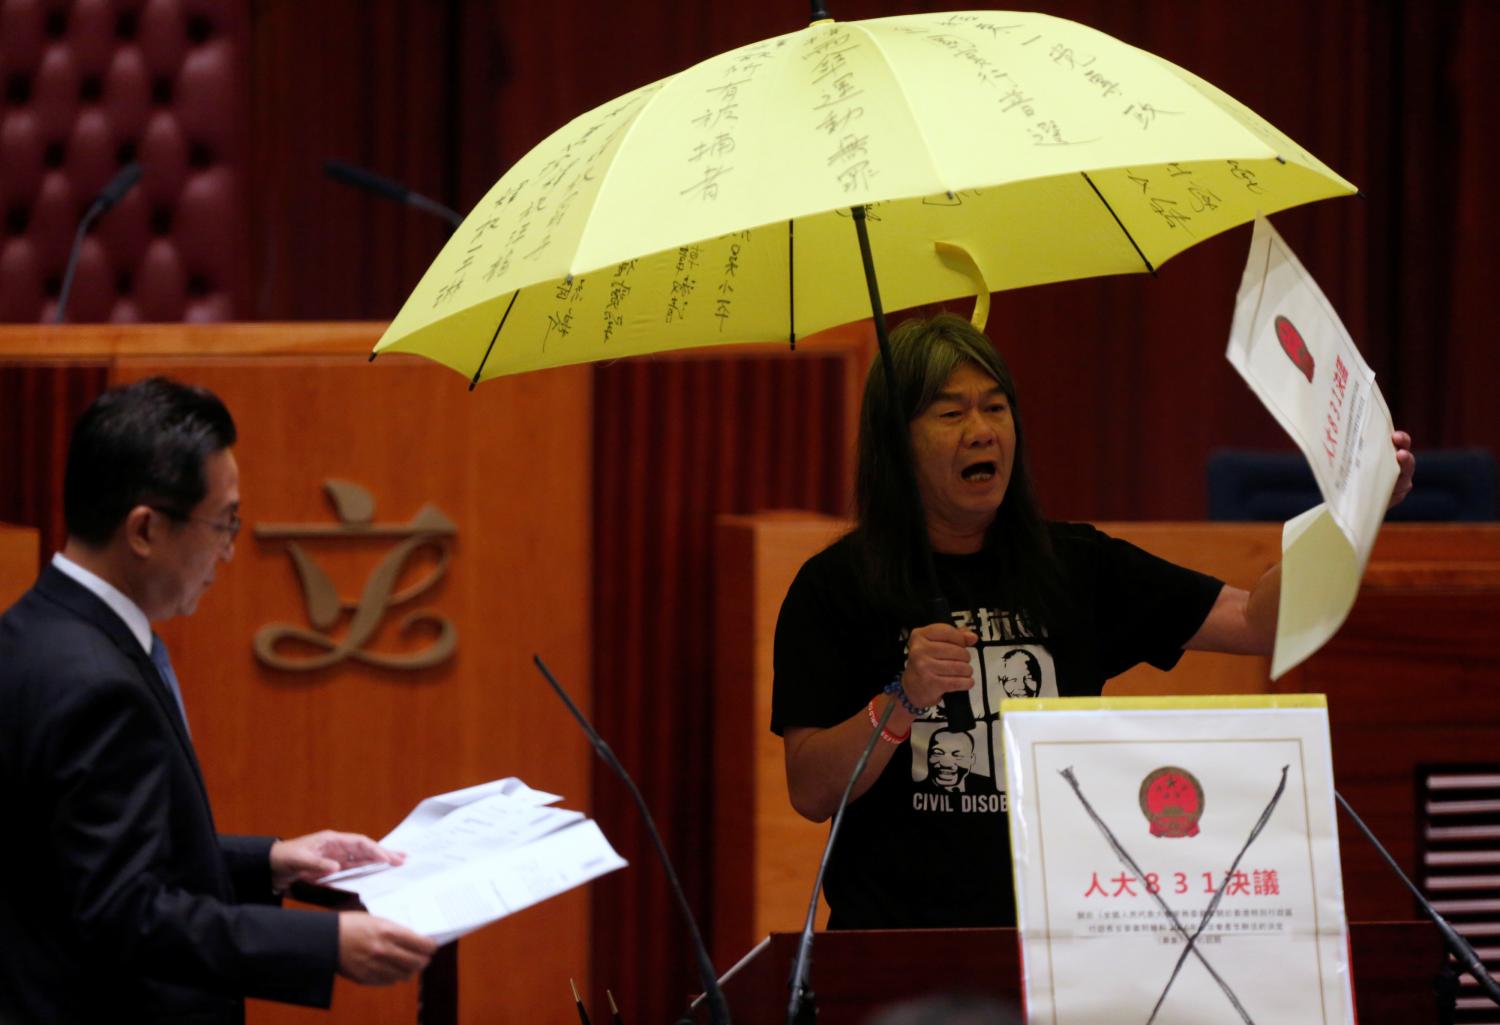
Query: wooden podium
[858,972]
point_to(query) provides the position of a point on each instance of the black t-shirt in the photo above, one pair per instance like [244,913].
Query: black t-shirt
[928,844]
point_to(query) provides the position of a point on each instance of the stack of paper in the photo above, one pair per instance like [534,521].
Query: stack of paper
[476,855]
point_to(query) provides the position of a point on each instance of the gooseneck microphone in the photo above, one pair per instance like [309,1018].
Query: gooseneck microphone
[1459,947]
[123,181]
[718,1007]
[802,1006]
[360,178]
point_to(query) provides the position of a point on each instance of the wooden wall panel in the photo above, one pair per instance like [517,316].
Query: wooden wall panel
[20,551]
[1410,679]
[678,442]
[762,881]
[355,746]
[1236,553]
[39,401]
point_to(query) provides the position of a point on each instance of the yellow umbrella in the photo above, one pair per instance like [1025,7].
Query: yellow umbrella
[988,150]
[992,149]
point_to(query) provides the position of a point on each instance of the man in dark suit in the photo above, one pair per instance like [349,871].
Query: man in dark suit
[119,901]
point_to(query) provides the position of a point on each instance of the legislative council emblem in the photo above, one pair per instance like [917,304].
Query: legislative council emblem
[1172,801]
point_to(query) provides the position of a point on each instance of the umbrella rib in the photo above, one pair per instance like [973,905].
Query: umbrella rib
[1150,269]
[480,369]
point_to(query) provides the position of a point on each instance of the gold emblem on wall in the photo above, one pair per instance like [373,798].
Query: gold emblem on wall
[292,647]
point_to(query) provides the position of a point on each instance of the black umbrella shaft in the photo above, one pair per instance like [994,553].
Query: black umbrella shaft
[956,706]
[901,448]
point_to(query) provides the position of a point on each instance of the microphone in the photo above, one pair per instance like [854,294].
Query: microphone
[718,1008]
[359,178]
[123,181]
[802,1007]
[956,707]
[1459,947]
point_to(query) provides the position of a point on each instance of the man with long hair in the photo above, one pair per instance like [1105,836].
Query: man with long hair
[858,629]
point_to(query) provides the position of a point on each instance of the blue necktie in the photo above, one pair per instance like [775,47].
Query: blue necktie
[163,663]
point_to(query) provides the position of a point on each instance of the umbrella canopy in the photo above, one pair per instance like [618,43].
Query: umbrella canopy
[714,205]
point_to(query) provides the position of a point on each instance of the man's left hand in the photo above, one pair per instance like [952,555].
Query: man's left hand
[315,855]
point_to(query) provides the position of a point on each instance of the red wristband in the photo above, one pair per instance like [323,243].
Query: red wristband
[885,735]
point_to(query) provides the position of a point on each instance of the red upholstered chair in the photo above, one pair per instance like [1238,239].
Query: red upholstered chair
[85,88]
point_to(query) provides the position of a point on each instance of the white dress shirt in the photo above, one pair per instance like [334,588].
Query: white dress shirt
[127,610]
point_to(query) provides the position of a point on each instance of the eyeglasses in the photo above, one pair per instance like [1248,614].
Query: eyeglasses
[230,528]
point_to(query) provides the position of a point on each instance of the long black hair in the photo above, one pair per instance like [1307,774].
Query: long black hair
[891,534]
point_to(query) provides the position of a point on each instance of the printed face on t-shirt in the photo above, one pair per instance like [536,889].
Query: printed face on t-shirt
[950,757]
[1020,674]
[1008,662]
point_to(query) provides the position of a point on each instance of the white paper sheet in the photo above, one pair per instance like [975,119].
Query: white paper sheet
[1295,354]
[448,904]
[476,855]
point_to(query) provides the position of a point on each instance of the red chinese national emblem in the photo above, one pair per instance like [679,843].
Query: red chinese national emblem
[1172,801]
[1295,348]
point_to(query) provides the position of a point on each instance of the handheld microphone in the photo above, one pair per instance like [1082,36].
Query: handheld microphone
[1459,947]
[956,707]
[360,178]
[718,1008]
[123,181]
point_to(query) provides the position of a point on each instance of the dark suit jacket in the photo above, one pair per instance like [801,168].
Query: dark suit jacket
[119,902]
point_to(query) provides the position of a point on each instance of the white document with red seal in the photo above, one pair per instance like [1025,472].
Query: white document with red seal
[1295,354]
[1177,861]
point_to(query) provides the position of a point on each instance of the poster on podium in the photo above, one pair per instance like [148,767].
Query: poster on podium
[1177,861]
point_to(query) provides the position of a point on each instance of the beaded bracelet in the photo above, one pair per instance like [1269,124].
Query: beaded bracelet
[885,735]
[895,688]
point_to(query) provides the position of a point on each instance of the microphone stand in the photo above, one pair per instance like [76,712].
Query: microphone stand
[802,1009]
[718,1008]
[1459,947]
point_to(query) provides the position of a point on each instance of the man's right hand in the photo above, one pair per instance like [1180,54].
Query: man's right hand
[377,952]
[937,662]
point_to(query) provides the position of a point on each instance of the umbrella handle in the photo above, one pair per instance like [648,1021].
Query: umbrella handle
[954,253]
